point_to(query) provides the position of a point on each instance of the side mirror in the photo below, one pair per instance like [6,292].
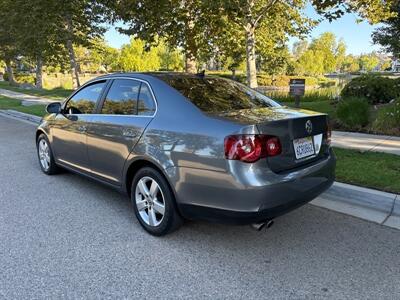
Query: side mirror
[54,108]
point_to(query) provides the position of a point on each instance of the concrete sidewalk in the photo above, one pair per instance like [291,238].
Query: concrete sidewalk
[366,142]
[26,99]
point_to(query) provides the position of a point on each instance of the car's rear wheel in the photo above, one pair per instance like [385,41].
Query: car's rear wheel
[45,155]
[154,202]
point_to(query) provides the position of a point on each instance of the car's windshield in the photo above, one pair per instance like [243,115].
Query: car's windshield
[217,95]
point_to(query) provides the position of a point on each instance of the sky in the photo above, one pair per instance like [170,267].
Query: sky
[357,36]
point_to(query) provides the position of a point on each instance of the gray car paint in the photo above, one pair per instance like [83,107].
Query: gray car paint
[187,146]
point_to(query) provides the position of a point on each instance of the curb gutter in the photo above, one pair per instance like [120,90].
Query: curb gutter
[368,204]
[394,219]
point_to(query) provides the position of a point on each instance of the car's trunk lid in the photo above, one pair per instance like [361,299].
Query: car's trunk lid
[289,125]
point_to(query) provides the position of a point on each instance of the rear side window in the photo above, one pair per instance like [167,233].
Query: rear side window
[146,105]
[122,98]
[84,101]
[212,94]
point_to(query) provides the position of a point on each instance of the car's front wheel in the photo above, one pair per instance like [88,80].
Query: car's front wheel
[154,202]
[45,155]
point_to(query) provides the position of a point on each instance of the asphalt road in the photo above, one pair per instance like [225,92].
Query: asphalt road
[67,237]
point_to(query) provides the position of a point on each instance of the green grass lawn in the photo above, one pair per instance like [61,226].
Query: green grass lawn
[319,106]
[9,103]
[375,170]
[57,93]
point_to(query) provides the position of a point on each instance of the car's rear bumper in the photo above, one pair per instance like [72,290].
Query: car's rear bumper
[286,205]
[249,196]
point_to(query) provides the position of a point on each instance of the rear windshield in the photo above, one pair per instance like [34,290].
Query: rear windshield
[212,94]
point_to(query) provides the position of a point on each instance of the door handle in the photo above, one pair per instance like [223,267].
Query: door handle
[127,132]
[82,128]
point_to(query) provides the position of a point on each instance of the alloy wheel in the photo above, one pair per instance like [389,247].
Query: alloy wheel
[150,201]
[44,154]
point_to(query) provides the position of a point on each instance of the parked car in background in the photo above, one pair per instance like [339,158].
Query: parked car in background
[189,147]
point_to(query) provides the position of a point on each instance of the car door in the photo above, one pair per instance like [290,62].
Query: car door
[126,110]
[69,128]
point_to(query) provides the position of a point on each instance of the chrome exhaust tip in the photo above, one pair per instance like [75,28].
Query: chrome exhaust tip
[259,226]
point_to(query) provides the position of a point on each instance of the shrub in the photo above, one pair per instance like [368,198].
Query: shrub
[376,89]
[353,113]
[313,95]
[25,78]
[388,119]
[21,78]
[264,80]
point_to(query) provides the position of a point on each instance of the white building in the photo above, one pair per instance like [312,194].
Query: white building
[395,65]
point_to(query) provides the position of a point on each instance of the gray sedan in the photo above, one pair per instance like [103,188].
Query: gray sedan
[189,147]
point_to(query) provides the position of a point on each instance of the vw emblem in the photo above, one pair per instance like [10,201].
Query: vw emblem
[309,127]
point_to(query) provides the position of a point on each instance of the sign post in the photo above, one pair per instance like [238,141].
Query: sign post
[297,89]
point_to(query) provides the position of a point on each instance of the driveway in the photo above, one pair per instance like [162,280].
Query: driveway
[68,237]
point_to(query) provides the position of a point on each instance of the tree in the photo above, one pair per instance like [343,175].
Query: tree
[227,44]
[134,57]
[274,61]
[180,23]
[368,62]
[340,55]
[277,18]
[189,24]
[79,24]
[323,55]
[36,36]
[170,59]
[374,11]
[251,13]
[99,57]
[350,64]
[8,46]
[299,48]
[326,45]
[108,58]
[388,35]
[311,63]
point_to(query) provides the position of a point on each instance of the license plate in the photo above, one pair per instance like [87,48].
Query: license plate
[304,147]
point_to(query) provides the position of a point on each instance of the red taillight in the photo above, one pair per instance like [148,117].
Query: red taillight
[251,147]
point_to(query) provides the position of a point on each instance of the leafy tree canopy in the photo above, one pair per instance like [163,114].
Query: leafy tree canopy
[388,35]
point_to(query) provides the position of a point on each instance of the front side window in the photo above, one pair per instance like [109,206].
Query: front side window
[84,101]
[122,98]
[146,105]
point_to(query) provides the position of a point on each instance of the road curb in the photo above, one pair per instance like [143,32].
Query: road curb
[21,115]
[368,204]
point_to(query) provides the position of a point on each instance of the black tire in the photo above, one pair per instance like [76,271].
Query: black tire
[52,167]
[171,220]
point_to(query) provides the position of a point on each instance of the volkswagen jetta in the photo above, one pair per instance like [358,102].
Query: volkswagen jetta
[189,147]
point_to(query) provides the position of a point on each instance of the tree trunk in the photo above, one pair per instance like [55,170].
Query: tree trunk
[233,74]
[191,47]
[251,56]
[39,72]
[74,68]
[10,72]
[190,63]
[72,58]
